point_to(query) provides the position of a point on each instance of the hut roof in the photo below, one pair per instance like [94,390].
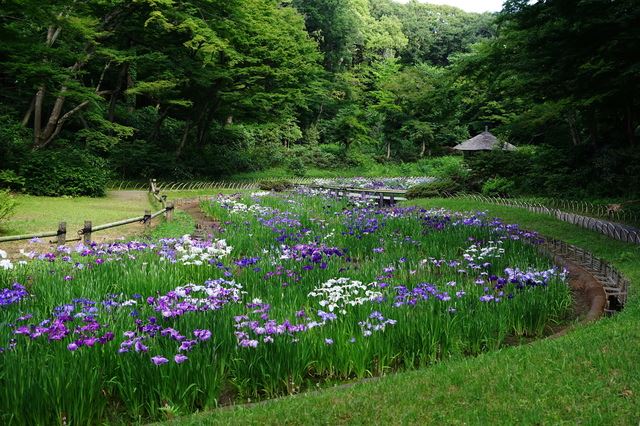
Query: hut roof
[485,141]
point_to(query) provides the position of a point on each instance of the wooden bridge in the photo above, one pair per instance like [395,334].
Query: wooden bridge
[384,197]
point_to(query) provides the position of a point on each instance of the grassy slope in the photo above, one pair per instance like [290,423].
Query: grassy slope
[591,375]
[35,214]
[172,195]
[377,170]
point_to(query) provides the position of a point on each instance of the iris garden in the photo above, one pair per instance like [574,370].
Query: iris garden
[294,291]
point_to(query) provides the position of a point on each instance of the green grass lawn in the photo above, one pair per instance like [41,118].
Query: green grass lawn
[39,214]
[35,214]
[589,376]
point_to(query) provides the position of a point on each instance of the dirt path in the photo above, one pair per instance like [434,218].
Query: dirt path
[205,226]
[588,293]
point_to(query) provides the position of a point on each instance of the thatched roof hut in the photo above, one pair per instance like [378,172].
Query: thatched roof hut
[485,141]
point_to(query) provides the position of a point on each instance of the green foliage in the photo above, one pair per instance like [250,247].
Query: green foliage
[65,172]
[296,166]
[451,173]
[498,187]
[210,89]
[7,205]
[325,156]
[438,188]
[276,185]
[450,167]
[435,32]
[10,179]
[566,172]
[14,142]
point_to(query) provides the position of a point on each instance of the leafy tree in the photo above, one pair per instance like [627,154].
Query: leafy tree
[435,32]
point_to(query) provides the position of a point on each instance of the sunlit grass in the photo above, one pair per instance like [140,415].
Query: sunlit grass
[35,214]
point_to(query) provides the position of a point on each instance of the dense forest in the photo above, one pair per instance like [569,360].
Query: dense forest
[102,89]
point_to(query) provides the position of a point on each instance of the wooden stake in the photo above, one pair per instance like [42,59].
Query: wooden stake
[169,213]
[86,231]
[62,233]
[147,219]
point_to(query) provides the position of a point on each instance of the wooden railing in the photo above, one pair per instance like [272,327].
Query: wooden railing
[382,196]
[199,185]
[89,229]
[616,285]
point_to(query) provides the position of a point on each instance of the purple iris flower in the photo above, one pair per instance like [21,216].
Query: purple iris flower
[159,360]
[202,335]
[180,358]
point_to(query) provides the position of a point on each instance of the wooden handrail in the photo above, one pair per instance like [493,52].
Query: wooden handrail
[88,229]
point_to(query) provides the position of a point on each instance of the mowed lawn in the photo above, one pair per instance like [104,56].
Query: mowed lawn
[589,376]
[39,214]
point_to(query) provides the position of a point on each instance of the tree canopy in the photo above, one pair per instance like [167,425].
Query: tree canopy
[209,88]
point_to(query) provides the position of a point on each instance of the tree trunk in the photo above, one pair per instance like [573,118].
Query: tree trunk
[122,75]
[183,141]
[631,136]
[52,123]
[575,136]
[27,115]
[424,148]
[206,119]
[37,115]
[156,126]
[56,119]
[60,122]
[388,150]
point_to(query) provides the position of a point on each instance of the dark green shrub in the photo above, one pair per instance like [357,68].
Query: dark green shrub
[65,172]
[11,180]
[498,187]
[278,185]
[7,205]
[313,156]
[296,167]
[438,188]
[451,173]
[15,141]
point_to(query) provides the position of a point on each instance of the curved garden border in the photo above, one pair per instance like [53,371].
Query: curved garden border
[615,286]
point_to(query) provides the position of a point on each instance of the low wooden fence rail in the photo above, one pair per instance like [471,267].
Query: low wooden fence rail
[616,286]
[196,185]
[89,229]
[597,210]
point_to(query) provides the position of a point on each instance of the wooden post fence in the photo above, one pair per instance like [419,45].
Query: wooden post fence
[86,232]
[147,219]
[169,213]
[62,233]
